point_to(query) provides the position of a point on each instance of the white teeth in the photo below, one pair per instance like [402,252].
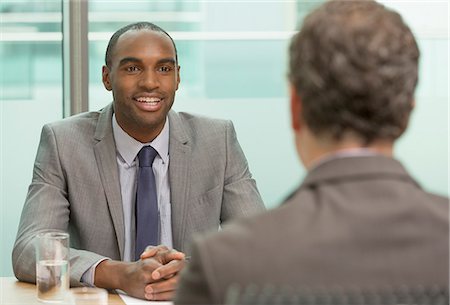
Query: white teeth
[148,100]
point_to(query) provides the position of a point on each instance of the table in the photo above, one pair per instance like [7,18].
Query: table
[13,292]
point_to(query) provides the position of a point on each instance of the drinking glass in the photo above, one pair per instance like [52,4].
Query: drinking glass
[52,266]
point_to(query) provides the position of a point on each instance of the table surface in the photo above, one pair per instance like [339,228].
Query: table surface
[13,292]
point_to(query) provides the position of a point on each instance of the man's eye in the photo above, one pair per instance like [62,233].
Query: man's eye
[132,69]
[165,69]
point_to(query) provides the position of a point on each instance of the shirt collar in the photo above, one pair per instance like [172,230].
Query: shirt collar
[343,153]
[128,147]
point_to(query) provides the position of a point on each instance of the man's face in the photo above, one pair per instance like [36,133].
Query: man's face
[143,77]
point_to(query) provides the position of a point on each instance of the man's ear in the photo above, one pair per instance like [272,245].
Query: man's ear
[105,78]
[178,77]
[296,109]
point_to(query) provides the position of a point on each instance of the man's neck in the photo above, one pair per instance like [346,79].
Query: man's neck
[314,149]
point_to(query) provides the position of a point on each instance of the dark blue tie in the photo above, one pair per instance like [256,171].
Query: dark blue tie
[147,218]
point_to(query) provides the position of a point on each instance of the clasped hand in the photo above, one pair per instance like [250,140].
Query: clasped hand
[154,276]
[164,278]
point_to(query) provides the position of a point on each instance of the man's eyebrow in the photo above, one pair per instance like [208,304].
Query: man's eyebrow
[169,60]
[126,60]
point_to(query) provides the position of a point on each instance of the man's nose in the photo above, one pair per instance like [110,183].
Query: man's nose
[149,79]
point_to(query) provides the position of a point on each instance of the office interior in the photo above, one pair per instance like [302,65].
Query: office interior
[233,58]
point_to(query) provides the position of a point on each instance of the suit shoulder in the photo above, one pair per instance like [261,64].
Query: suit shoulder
[78,121]
[439,204]
[201,120]
[438,199]
[247,231]
[201,129]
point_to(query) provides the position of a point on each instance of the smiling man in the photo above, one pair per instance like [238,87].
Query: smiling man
[92,176]
[143,77]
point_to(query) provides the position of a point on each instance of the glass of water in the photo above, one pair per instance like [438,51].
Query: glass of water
[88,296]
[52,266]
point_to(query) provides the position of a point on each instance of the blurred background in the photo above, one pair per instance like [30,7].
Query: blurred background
[233,57]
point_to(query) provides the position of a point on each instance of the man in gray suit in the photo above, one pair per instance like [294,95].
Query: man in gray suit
[358,219]
[85,174]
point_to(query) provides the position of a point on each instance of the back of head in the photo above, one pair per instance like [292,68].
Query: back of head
[354,65]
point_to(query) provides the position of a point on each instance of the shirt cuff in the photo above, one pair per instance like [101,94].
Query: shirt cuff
[89,276]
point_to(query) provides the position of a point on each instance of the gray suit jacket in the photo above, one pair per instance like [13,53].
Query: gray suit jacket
[75,187]
[354,222]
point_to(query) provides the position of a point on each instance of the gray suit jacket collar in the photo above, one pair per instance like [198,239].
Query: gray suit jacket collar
[179,168]
[359,167]
[180,154]
[105,155]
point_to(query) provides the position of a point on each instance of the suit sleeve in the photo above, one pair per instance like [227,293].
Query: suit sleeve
[46,207]
[240,194]
[194,288]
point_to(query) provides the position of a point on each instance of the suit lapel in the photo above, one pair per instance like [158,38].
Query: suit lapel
[105,154]
[180,154]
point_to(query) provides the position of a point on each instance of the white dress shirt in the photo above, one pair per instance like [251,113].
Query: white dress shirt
[127,149]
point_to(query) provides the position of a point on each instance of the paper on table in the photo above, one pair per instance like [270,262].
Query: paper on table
[133,301]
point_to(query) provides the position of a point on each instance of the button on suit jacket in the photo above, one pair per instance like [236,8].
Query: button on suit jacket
[75,187]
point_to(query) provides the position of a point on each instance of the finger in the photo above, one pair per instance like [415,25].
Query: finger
[164,296]
[149,265]
[172,255]
[165,256]
[162,286]
[161,250]
[153,250]
[157,248]
[167,270]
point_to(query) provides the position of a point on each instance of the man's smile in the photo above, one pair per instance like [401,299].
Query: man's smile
[148,103]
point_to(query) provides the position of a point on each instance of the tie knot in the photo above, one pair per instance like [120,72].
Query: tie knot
[146,156]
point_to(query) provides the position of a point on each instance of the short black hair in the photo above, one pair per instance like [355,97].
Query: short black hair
[134,26]
[354,65]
